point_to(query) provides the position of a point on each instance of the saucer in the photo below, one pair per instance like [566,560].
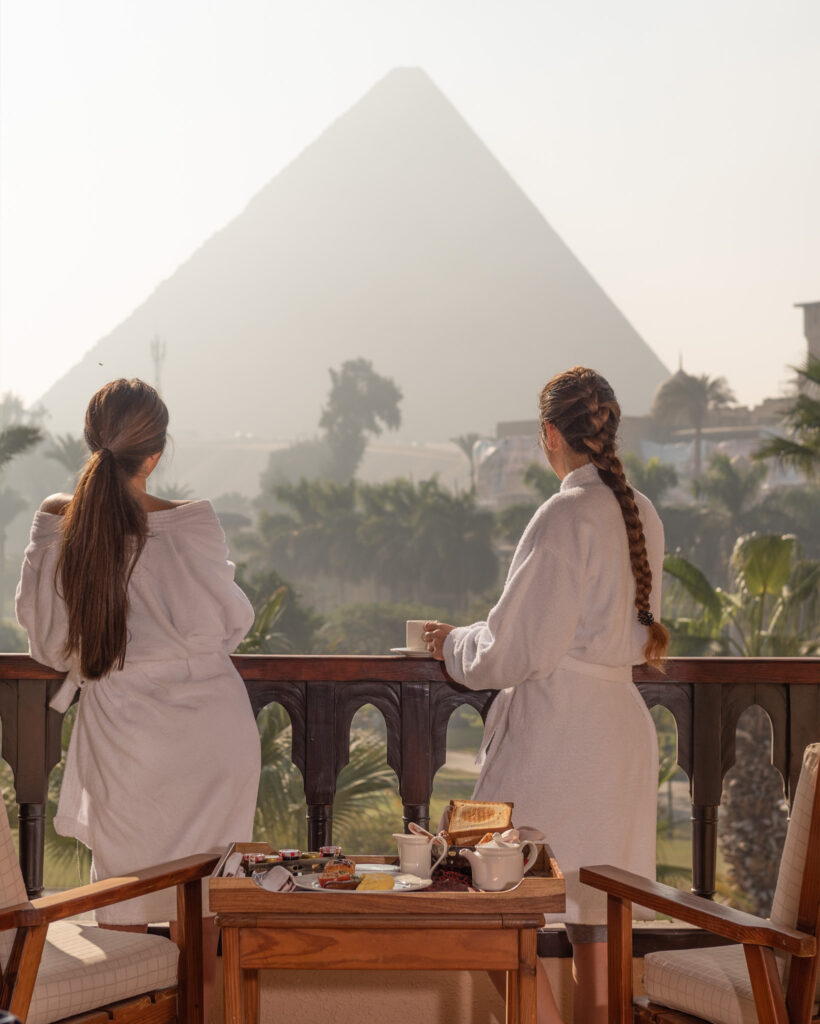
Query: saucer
[410,652]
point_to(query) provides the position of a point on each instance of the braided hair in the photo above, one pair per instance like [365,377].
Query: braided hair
[583,408]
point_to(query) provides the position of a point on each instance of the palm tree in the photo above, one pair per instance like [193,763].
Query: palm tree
[772,610]
[542,480]
[466,442]
[687,400]
[652,478]
[16,439]
[802,449]
[316,538]
[731,486]
[360,402]
[71,453]
[174,491]
[11,504]
[427,543]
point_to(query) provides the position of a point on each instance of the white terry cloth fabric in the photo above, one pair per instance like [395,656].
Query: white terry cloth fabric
[164,759]
[569,739]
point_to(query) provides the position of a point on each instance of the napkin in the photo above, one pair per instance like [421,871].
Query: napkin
[276,879]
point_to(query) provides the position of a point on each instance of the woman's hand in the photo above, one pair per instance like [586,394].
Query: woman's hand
[434,636]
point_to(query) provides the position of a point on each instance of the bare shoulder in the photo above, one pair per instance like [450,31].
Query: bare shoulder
[55,504]
[151,503]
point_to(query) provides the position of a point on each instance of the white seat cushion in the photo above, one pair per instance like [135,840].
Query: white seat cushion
[711,983]
[84,967]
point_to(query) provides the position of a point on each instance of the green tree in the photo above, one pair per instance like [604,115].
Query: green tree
[71,453]
[13,412]
[313,539]
[290,625]
[19,433]
[12,503]
[361,403]
[174,491]
[466,442]
[771,610]
[371,628]
[16,439]
[543,480]
[731,486]
[652,478]
[802,449]
[688,400]
[427,543]
[511,520]
[363,794]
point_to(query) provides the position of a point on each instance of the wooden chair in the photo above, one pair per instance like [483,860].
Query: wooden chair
[77,972]
[769,976]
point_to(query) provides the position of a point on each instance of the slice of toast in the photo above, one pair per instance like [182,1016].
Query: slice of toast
[470,820]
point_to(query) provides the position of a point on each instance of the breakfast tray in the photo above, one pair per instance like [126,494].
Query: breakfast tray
[542,889]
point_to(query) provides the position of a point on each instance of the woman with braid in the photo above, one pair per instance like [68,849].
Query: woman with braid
[569,739]
[134,597]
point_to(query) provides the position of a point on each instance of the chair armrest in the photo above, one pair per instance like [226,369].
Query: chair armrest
[112,890]
[696,910]
[20,915]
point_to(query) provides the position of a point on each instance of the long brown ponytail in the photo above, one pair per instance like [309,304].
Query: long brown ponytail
[582,406]
[104,526]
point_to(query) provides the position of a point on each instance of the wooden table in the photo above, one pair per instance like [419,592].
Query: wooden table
[412,931]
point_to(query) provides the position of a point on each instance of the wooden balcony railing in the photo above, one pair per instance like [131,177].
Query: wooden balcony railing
[706,696]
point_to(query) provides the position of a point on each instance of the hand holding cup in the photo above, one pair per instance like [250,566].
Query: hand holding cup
[434,635]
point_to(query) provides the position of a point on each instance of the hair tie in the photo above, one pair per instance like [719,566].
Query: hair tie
[646,618]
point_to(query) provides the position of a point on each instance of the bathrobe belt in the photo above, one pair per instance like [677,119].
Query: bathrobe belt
[500,707]
[169,670]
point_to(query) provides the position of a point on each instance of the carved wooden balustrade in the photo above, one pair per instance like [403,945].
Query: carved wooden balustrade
[706,696]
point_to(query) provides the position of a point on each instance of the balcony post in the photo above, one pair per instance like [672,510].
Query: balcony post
[707,784]
[319,825]
[416,774]
[31,820]
[321,758]
[704,849]
[31,746]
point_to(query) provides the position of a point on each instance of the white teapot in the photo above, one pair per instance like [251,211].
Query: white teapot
[498,865]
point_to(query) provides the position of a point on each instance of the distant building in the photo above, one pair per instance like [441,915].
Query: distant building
[737,431]
[811,326]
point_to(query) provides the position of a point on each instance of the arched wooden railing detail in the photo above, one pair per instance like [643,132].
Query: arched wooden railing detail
[706,697]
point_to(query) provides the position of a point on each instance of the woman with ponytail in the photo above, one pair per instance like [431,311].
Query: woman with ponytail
[134,597]
[569,739]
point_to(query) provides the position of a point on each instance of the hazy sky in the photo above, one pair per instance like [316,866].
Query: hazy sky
[674,146]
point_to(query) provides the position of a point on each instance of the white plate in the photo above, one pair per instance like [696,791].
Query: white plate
[410,652]
[311,882]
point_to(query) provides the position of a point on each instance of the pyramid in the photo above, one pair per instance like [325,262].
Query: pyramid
[398,237]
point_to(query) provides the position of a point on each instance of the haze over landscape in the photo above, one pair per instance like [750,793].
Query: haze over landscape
[396,237]
[668,149]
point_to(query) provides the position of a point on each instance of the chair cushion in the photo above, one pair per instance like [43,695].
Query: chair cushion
[793,859]
[84,967]
[711,983]
[12,888]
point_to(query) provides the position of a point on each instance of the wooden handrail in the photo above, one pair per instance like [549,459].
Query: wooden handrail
[706,697]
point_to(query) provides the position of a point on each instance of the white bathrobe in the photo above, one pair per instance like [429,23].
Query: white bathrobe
[164,759]
[569,739]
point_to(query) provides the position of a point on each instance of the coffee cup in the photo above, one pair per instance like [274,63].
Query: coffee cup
[416,853]
[415,635]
